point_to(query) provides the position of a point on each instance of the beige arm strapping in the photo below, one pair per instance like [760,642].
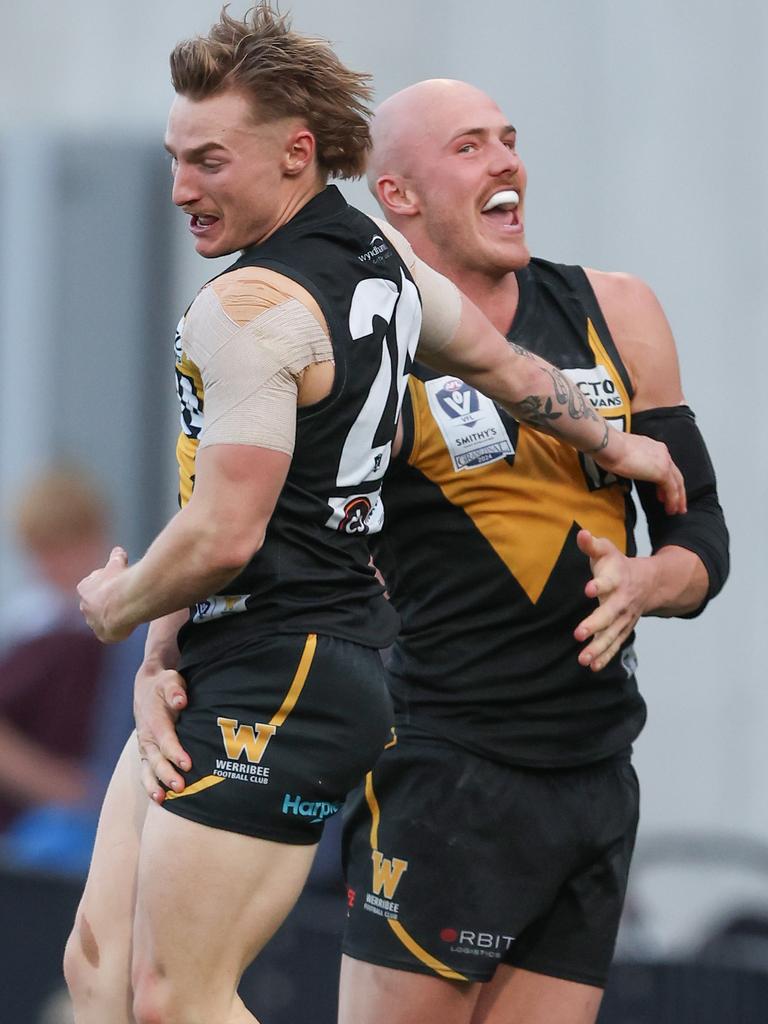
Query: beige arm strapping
[250,373]
[440,298]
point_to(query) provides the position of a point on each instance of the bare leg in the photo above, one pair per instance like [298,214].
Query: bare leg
[516,996]
[190,905]
[208,901]
[370,994]
[98,954]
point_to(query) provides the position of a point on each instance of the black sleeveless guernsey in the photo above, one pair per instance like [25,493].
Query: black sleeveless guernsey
[480,556]
[313,573]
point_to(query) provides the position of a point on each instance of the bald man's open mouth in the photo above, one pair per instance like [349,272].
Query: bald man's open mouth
[501,208]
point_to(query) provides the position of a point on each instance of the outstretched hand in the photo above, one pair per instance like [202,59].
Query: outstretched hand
[159,695]
[95,592]
[622,586]
[641,458]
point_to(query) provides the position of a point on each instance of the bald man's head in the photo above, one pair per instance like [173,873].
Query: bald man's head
[444,169]
[410,121]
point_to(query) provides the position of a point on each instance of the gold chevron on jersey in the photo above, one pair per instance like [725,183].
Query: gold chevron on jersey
[190,388]
[602,384]
[601,356]
[526,510]
[186,451]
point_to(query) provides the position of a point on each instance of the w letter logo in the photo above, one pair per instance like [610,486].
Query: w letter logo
[238,738]
[387,874]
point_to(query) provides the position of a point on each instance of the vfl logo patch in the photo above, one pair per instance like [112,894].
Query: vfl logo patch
[218,605]
[458,401]
[469,422]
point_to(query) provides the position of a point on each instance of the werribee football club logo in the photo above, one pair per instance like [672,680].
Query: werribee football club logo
[386,875]
[239,739]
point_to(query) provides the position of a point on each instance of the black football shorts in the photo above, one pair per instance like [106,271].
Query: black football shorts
[456,864]
[279,729]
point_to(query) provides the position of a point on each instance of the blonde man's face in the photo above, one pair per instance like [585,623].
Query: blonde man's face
[228,171]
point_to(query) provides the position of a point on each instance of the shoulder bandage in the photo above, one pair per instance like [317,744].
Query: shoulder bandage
[250,371]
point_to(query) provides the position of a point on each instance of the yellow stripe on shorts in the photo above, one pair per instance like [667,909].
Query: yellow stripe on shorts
[421,954]
[405,938]
[294,692]
[205,783]
[299,679]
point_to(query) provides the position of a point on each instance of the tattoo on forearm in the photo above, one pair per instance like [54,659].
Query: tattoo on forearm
[519,350]
[540,410]
[603,439]
[537,410]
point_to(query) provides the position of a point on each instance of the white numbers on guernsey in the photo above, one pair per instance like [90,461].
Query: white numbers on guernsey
[361,459]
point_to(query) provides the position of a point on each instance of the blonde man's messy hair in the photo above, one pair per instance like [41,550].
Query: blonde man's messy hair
[286,75]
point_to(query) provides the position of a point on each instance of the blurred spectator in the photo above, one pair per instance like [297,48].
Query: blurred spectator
[47,695]
[61,522]
[65,700]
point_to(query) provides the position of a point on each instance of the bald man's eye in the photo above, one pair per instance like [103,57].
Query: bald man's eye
[468,147]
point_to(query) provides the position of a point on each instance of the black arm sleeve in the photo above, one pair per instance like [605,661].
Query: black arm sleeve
[702,529]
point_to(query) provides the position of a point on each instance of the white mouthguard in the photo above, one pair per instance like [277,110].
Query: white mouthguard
[510,199]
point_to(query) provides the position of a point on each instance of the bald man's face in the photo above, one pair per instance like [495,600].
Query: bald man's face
[464,171]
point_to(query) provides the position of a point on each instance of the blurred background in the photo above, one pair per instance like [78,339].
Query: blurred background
[643,128]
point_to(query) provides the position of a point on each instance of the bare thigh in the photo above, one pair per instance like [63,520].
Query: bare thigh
[371,994]
[207,902]
[517,996]
[98,956]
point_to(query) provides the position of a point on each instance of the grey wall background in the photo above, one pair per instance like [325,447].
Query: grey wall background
[643,127]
